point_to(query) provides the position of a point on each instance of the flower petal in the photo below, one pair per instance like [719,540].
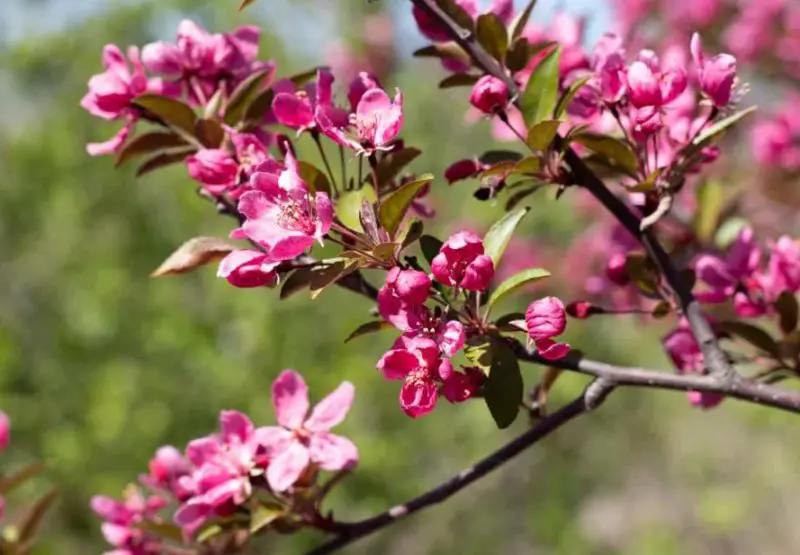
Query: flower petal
[290,399]
[235,426]
[284,470]
[332,452]
[332,409]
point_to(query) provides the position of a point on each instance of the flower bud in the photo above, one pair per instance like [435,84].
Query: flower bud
[462,263]
[489,95]
[545,318]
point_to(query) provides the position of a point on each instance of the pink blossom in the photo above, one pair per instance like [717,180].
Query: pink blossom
[376,123]
[416,361]
[463,385]
[783,269]
[545,319]
[650,86]
[401,296]
[214,168]
[5,430]
[297,110]
[725,276]
[489,95]
[166,469]
[248,268]
[716,74]
[360,84]
[251,153]
[282,215]
[449,335]
[685,353]
[301,441]
[122,520]
[461,263]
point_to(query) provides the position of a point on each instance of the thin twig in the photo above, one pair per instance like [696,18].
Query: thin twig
[715,359]
[591,398]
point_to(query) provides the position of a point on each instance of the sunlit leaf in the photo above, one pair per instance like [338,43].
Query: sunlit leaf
[710,198]
[314,177]
[541,134]
[147,143]
[504,387]
[609,147]
[369,327]
[394,207]
[348,206]
[194,253]
[569,95]
[492,35]
[722,125]
[521,21]
[496,239]
[169,110]
[264,515]
[541,94]
[514,283]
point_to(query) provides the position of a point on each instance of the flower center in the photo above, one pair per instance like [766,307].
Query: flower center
[297,215]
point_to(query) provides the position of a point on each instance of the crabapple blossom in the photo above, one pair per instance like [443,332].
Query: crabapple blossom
[461,262]
[401,296]
[214,168]
[489,95]
[716,74]
[545,319]
[248,268]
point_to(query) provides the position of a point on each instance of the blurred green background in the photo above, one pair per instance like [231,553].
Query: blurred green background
[100,365]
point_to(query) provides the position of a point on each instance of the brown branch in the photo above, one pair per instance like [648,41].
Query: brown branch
[715,359]
[591,398]
[752,391]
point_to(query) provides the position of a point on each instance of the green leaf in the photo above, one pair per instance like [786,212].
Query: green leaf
[788,310]
[458,80]
[443,51]
[541,134]
[393,163]
[316,180]
[496,239]
[521,21]
[752,334]
[722,125]
[245,3]
[259,106]
[478,351]
[492,35]
[163,160]
[264,515]
[456,13]
[504,388]
[161,529]
[369,327]
[33,517]
[394,207]
[610,148]
[11,481]
[710,198]
[207,532]
[491,157]
[430,246]
[728,231]
[196,252]
[518,55]
[540,96]
[209,132]
[569,95]
[643,272]
[348,207]
[243,95]
[326,274]
[297,281]
[513,283]
[148,143]
[173,112]
[410,232]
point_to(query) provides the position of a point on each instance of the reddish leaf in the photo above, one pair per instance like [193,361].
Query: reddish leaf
[194,253]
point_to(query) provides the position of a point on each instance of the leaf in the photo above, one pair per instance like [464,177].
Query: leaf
[496,239]
[391,164]
[788,310]
[316,180]
[430,246]
[458,80]
[384,251]
[244,94]
[643,272]
[194,253]
[519,54]
[259,106]
[613,149]
[541,134]
[521,21]
[348,206]
[541,94]
[569,95]
[369,327]
[443,51]
[161,529]
[33,518]
[209,132]
[163,160]
[520,195]
[394,207]
[492,35]
[661,309]
[325,274]
[300,79]
[297,281]
[714,130]
[504,387]
[456,13]
[513,283]
[172,112]
[478,351]
[728,231]
[264,515]
[752,334]
[491,157]
[410,232]
[208,532]
[147,143]
[245,3]
[710,198]
[11,481]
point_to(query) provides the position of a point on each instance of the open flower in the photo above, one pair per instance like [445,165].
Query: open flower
[716,74]
[651,86]
[402,295]
[461,263]
[214,168]
[301,440]
[685,353]
[545,319]
[296,110]
[122,520]
[282,215]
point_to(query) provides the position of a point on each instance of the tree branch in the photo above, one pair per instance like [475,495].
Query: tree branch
[715,360]
[746,390]
[591,398]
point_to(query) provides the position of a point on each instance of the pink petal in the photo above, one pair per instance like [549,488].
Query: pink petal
[713,271]
[332,452]
[235,426]
[292,111]
[112,145]
[418,398]
[116,534]
[254,204]
[273,438]
[284,470]
[397,363]
[290,399]
[372,102]
[290,246]
[331,410]
[452,338]
[324,209]
[200,450]
[324,87]
[552,350]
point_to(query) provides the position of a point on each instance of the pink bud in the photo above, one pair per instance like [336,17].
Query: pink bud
[410,286]
[489,95]
[248,268]
[583,309]
[212,166]
[616,270]
[5,430]
[716,75]
[461,386]
[461,263]
[545,318]
[643,86]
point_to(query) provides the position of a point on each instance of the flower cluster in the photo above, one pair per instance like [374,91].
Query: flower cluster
[775,139]
[239,470]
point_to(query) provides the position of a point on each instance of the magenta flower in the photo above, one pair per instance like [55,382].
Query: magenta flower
[282,215]
[463,385]
[360,84]
[214,168]
[461,263]
[650,86]
[376,122]
[402,294]
[418,363]
[545,319]
[297,110]
[489,95]
[300,441]
[716,74]
[248,268]
[685,353]
[122,521]
[5,430]
[783,268]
